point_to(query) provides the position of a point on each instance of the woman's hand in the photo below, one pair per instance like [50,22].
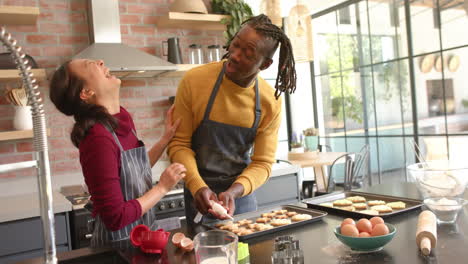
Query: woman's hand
[170,127]
[171,176]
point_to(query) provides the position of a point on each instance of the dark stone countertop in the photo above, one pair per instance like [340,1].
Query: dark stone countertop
[320,245]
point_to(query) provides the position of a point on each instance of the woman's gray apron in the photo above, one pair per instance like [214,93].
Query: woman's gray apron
[222,152]
[135,180]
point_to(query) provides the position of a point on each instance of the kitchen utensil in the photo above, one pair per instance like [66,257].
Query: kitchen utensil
[22,119]
[149,241]
[216,247]
[440,178]
[445,209]
[173,50]
[426,232]
[195,54]
[214,53]
[366,243]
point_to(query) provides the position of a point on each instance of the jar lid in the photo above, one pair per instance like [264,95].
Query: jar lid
[194,46]
[213,46]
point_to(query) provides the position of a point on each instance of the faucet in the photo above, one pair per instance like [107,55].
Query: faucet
[41,156]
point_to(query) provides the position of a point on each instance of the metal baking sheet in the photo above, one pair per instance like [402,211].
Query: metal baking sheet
[411,204]
[316,215]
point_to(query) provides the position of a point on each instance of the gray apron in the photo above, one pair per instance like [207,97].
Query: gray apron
[135,180]
[222,152]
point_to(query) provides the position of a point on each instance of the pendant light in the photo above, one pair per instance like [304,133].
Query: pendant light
[272,8]
[299,31]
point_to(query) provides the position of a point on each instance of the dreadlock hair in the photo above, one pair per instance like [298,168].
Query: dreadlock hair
[286,78]
[65,89]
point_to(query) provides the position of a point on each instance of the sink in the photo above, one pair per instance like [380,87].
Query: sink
[107,257]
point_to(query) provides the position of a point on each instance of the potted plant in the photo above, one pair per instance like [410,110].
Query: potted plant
[311,139]
[239,12]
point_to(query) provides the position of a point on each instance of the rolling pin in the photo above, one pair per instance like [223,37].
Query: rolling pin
[426,232]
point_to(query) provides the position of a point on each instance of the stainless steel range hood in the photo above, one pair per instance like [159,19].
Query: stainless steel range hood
[122,60]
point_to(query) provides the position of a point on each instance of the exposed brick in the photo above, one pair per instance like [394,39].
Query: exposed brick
[133,103]
[61,155]
[79,5]
[32,51]
[130,19]
[150,50]
[152,113]
[20,3]
[124,29]
[65,167]
[54,4]
[76,17]
[74,40]
[24,147]
[6,125]
[26,172]
[146,30]
[122,8]
[133,41]
[133,83]
[140,9]
[126,93]
[151,92]
[147,124]
[57,51]
[55,28]
[80,28]
[60,143]
[7,148]
[29,29]
[13,157]
[150,20]
[41,39]
[9,175]
[6,110]
[46,16]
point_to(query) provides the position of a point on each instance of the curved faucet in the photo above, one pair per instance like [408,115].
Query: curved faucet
[41,155]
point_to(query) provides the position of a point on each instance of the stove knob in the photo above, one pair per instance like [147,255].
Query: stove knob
[182,203]
[172,204]
[162,207]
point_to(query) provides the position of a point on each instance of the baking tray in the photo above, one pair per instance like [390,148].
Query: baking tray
[316,216]
[411,204]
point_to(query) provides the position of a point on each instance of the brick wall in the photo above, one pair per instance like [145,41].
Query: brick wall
[62,31]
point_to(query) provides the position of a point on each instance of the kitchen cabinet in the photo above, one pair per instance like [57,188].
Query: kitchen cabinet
[23,239]
[18,15]
[191,21]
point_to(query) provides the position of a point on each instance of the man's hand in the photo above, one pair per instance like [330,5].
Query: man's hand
[228,197]
[202,199]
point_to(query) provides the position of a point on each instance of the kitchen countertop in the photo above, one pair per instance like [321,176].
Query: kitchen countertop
[27,205]
[318,242]
[23,206]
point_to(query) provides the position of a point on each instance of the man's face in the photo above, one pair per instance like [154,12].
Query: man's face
[246,57]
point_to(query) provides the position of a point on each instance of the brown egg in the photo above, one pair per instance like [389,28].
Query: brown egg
[348,221]
[186,244]
[364,234]
[176,238]
[364,225]
[349,230]
[376,220]
[379,230]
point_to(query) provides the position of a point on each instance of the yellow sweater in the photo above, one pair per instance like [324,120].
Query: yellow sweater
[233,105]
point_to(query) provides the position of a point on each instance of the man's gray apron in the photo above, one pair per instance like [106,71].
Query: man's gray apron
[222,152]
[135,180]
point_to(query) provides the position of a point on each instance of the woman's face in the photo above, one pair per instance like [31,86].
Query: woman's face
[246,57]
[96,77]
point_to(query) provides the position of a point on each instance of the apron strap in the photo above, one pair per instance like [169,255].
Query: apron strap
[258,107]
[214,92]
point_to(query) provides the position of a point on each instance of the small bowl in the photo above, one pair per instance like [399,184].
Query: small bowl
[445,209]
[149,241]
[366,243]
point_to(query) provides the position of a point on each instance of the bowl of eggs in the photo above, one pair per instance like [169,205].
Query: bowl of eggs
[365,234]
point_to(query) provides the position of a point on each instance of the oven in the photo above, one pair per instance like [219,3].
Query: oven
[81,221]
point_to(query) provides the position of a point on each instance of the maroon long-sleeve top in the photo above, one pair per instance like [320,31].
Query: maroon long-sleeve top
[100,161]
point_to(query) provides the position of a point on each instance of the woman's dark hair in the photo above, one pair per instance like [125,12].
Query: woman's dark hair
[65,89]
[286,78]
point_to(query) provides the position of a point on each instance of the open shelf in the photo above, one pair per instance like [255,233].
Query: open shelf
[8,75]
[18,15]
[181,69]
[191,21]
[17,134]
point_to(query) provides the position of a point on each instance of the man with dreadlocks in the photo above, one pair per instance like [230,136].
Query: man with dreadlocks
[226,109]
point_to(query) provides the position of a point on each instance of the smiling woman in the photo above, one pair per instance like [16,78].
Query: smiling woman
[114,161]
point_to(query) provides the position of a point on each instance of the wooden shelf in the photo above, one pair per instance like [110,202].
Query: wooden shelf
[181,69]
[17,134]
[18,15]
[5,75]
[191,21]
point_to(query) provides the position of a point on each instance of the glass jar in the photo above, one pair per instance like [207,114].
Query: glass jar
[195,54]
